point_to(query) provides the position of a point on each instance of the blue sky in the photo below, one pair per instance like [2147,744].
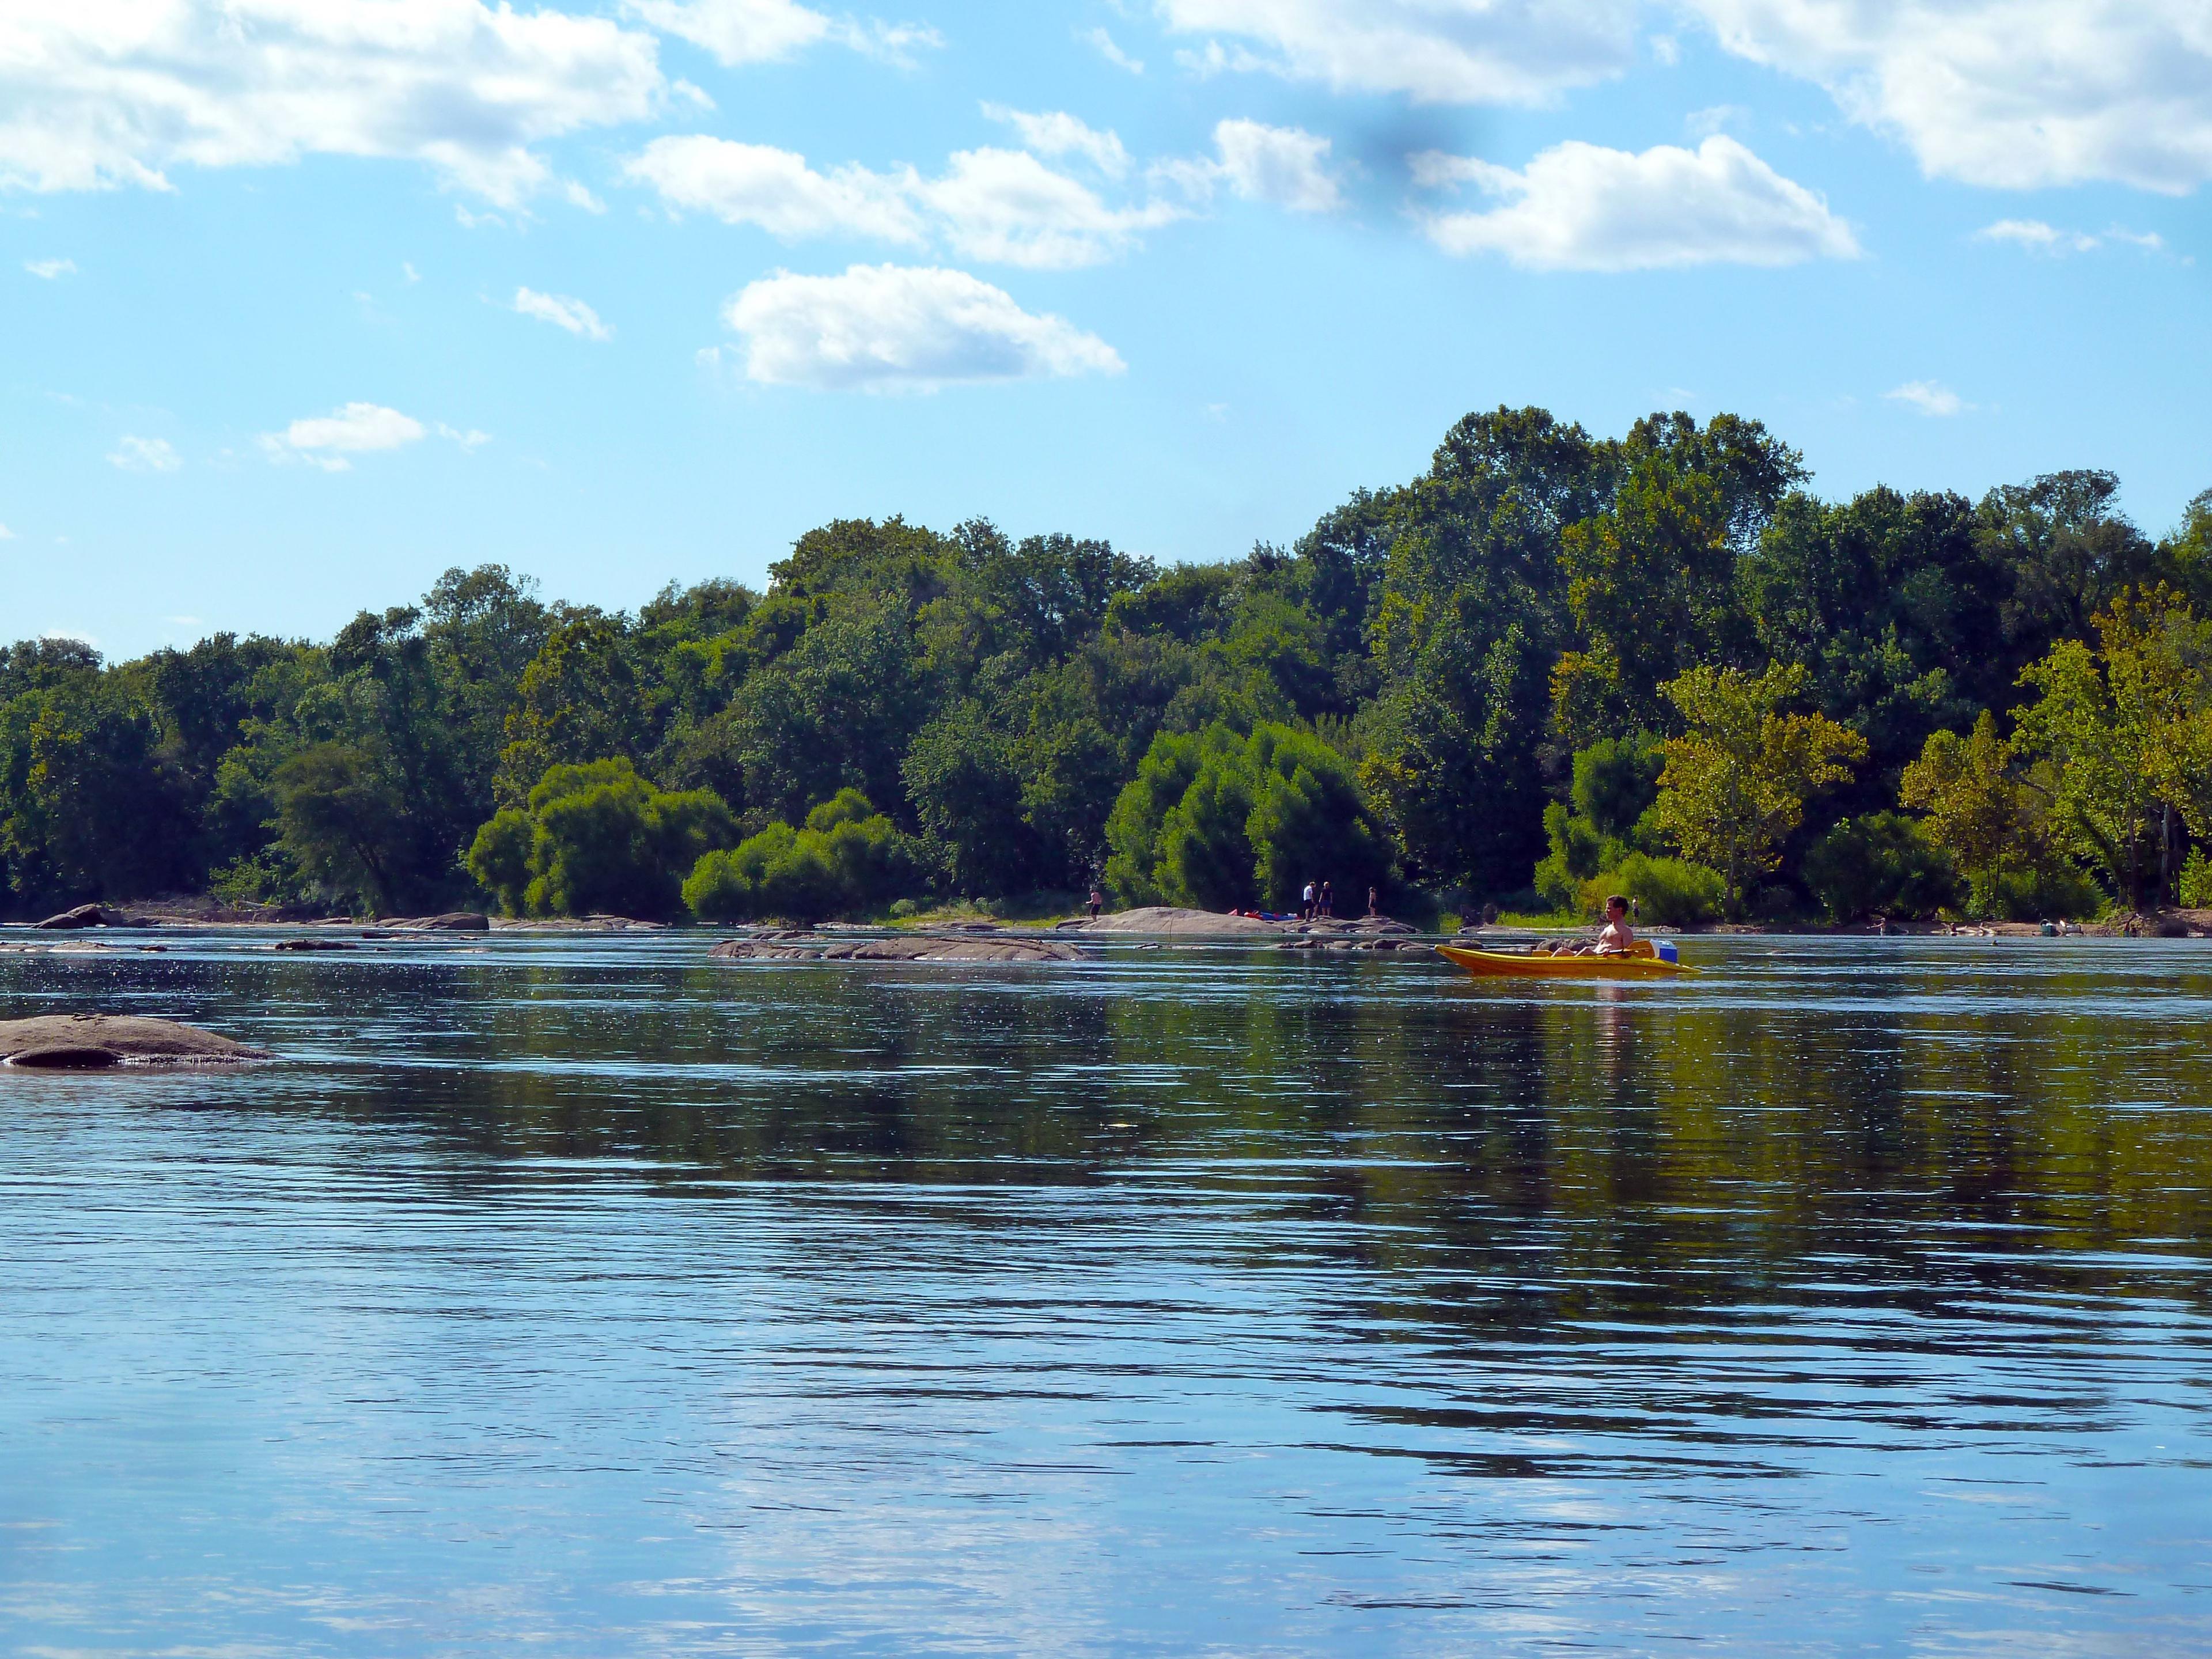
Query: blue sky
[306,301]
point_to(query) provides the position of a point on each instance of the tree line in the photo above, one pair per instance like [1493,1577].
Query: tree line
[1550,666]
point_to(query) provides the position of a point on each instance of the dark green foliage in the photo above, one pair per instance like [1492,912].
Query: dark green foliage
[1219,823]
[1881,864]
[1615,781]
[961,775]
[341,819]
[1030,712]
[849,860]
[1133,829]
[1666,892]
[1578,852]
[598,838]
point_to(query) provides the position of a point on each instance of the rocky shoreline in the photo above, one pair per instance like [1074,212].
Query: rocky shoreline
[1150,923]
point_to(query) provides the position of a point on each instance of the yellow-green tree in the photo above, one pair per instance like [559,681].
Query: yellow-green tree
[1737,779]
[2123,738]
[1976,809]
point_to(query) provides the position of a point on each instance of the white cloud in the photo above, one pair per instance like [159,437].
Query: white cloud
[892,328]
[145,455]
[48,270]
[6,534]
[894,43]
[997,204]
[1515,51]
[408,269]
[471,439]
[740,32]
[1006,206]
[2035,234]
[101,94]
[1580,207]
[326,441]
[1714,117]
[775,189]
[2038,237]
[2014,93]
[737,31]
[1058,133]
[561,312]
[1930,398]
[1102,43]
[1282,165]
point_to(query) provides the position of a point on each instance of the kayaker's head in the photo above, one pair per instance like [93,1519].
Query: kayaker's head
[1616,907]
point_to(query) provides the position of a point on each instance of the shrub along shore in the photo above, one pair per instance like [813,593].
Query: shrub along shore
[1552,667]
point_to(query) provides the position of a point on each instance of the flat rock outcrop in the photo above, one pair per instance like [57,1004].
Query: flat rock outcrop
[591,924]
[452,921]
[92,916]
[1166,921]
[89,1041]
[1169,922]
[796,946]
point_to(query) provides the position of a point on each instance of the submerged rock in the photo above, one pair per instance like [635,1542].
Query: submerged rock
[87,1041]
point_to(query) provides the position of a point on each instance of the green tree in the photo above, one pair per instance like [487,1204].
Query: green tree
[343,819]
[2120,732]
[967,793]
[1140,812]
[1881,864]
[602,839]
[1979,813]
[842,706]
[2069,550]
[1310,820]
[578,699]
[1894,606]
[847,861]
[1254,820]
[1736,781]
[1206,850]
[1467,614]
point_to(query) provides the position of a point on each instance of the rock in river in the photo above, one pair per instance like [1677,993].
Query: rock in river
[87,1041]
[92,916]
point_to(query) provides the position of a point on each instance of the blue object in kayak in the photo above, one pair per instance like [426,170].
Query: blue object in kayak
[1664,950]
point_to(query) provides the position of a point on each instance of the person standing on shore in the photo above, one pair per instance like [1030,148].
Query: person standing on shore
[1328,901]
[1098,904]
[1306,903]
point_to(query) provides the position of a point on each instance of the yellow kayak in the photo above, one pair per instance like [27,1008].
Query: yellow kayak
[1517,964]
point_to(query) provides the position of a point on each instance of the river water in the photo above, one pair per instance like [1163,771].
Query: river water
[569,1295]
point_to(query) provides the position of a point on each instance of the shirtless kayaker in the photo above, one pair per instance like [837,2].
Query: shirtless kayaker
[1613,939]
[1616,936]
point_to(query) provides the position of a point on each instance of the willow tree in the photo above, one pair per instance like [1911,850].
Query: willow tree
[1737,779]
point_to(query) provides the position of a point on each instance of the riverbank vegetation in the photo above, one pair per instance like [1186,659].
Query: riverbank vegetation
[1551,667]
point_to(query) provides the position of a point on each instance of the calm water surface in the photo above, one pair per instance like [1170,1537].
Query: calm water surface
[584,1297]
